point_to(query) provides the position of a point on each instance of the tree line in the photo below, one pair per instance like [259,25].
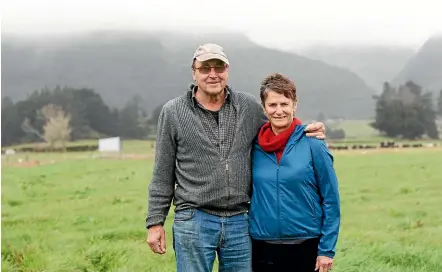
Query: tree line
[68,114]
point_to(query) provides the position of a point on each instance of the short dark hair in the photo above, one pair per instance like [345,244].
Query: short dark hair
[280,84]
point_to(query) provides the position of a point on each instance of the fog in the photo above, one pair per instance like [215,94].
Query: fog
[278,23]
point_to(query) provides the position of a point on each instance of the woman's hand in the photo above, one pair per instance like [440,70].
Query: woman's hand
[323,264]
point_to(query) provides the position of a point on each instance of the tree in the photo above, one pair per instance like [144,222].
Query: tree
[156,114]
[386,107]
[405,112]
[439,104]
[133,120]
[11,130]
[57,127]
[336,134]
[428,115]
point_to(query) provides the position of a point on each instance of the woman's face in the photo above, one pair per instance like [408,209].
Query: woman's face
[279,110]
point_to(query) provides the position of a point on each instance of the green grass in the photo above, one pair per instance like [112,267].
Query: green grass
[358,129]
[360,132]
[80,213]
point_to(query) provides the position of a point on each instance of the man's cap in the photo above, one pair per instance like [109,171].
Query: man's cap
[210,51]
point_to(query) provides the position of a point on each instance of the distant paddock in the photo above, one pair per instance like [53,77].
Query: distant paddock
[382,145]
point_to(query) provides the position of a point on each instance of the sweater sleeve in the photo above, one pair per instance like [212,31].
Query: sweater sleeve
[256,107]
[329,192]
[162,184]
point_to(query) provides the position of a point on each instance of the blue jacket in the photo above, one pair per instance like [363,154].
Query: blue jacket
[297,198]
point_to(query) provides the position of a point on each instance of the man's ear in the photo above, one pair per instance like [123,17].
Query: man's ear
[193,75]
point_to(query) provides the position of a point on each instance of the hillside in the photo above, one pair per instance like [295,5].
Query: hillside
[374,64]
[424,68]
[156,66]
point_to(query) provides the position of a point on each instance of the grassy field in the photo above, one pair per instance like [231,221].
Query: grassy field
[357,129]
[83,212]
[360,132]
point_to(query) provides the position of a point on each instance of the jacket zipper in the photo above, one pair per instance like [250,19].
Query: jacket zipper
[277,187]
[228,190]
[277,197]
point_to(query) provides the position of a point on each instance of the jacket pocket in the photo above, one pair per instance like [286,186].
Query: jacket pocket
[263,222]
[308,193]
[298,213]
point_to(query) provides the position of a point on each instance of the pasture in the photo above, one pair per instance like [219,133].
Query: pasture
[84,212]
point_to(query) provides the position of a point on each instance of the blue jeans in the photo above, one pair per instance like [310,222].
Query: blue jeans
[199,236]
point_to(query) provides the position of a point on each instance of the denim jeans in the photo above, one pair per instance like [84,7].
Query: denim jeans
[198,237]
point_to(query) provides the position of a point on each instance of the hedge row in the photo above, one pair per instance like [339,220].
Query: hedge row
[75,148]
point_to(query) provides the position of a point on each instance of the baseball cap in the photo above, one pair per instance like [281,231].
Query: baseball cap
[210,51]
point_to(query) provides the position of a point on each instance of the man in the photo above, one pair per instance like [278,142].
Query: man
[203,164]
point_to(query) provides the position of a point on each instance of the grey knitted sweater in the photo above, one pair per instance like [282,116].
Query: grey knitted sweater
[190,170]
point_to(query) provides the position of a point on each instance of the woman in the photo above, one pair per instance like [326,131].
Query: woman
[295,206]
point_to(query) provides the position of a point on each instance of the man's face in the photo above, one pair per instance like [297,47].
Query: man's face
[210,76]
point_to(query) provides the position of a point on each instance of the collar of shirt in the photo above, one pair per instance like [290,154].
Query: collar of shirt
[195,102]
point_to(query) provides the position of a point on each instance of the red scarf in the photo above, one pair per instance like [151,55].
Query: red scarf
[270,142]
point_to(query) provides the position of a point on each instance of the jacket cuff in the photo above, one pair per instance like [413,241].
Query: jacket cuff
[329,254]
[155,220]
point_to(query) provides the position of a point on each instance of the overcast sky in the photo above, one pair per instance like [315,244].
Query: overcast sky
[272,22]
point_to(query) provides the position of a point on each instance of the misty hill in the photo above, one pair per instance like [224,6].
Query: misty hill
[119,65]
[425,68]
[374,64]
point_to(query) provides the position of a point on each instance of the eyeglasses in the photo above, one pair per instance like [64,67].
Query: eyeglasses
[206,69]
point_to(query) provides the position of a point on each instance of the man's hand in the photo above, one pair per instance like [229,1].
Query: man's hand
[156,238]
[323,264]
[316,130]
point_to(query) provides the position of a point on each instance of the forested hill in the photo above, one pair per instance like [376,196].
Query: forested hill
[425,68]
[119,65]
